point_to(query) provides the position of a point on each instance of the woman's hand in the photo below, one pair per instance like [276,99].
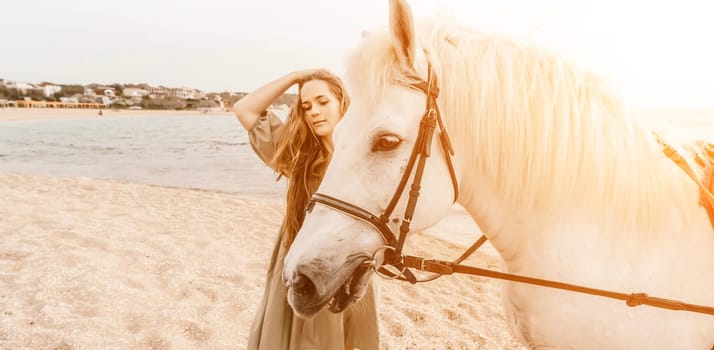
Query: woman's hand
[249,108]
[299,76]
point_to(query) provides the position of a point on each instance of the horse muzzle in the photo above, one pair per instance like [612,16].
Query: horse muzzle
[311,287]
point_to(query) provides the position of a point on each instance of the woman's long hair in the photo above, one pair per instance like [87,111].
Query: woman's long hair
[301,155]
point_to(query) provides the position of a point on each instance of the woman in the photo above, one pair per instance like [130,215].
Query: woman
[300,150]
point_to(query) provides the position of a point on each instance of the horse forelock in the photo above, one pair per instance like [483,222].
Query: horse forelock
[539,130]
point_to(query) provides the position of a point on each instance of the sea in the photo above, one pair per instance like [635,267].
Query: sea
[203,151]
[209,152]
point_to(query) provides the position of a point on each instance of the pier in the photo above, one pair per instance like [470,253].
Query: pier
[48,104]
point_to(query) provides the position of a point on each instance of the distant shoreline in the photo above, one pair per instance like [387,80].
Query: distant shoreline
[15,114]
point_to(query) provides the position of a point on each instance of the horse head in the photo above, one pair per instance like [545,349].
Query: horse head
[374,147]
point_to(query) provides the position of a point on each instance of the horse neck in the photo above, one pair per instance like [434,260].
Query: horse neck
[597,166]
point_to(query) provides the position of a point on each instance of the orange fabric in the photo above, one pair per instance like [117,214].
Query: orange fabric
[704,157]
[706,161]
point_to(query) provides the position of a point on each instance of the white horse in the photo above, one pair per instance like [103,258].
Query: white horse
[566,184]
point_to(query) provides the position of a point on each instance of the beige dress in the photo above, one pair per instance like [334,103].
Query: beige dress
[275,327]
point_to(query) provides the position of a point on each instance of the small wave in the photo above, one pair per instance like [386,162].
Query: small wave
[220,143]
[227,143]
[81,147]
[100,148]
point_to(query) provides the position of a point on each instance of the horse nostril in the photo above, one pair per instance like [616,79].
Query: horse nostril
[303,285]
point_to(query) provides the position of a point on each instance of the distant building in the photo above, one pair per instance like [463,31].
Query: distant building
[106,100]
[69,99]
[22,87]
[134,92]
[50,90]
[183,93]
[157,90]
[219,100]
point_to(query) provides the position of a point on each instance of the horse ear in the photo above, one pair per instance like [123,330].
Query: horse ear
[401,26]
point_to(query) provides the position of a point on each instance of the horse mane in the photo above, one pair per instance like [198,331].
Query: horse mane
[534,123]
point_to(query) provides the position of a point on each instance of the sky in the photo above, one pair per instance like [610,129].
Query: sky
[657,54]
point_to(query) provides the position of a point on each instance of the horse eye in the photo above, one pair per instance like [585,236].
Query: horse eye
[386,143]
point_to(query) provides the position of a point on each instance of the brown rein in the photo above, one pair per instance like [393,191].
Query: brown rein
[633,299]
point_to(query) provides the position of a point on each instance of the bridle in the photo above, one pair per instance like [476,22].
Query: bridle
[397,265]
[420,152]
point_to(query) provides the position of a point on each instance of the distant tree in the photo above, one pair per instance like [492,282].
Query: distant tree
[163,102]
[13,94]
[86,99]
[207,104]
[118,88]
[287,99]
[35,95]
[117,104]
[171,102]
[71,90]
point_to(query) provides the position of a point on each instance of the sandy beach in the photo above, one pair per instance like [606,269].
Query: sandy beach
[89,264]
